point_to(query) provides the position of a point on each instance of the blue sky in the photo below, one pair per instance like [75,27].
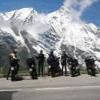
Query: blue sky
[91,14]
[40,5]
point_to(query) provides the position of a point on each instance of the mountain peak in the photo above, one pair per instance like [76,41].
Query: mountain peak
[19,14]
[35,31]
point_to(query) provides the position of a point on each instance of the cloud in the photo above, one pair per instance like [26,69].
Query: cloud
[78,6]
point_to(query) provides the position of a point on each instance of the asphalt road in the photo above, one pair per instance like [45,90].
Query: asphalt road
[61,88]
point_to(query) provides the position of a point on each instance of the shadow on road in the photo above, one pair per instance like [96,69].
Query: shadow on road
[6,95]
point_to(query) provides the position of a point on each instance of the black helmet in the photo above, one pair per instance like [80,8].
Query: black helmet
[41,51]
[51,52]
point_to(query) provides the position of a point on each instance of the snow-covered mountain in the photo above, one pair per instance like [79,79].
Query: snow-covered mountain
[31,31]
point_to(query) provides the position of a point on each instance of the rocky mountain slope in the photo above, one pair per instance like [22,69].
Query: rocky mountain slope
[30,31]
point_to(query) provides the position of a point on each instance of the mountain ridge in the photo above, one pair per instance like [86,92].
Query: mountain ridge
[26,28]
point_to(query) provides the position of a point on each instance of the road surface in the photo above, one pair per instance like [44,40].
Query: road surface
[83,87]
